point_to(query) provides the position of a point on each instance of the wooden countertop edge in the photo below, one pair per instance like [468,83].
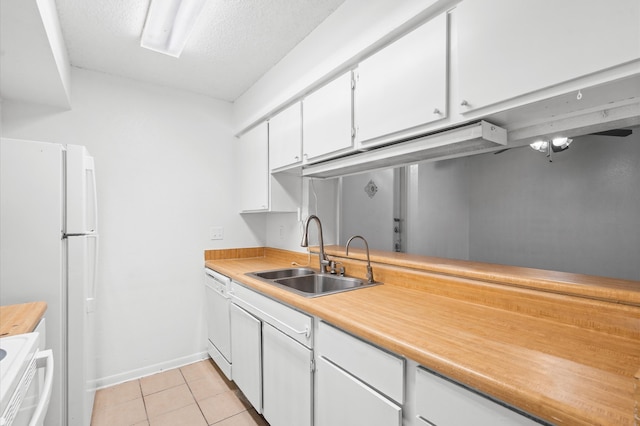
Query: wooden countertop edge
[20,318]
[588,286]
[535,403]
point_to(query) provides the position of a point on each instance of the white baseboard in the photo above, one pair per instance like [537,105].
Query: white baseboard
[105,382]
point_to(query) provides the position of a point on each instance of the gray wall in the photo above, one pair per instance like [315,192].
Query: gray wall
[579,213]
[438,209]
[371,217]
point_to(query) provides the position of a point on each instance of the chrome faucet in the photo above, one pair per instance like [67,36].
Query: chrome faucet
[324,261]
[369,270]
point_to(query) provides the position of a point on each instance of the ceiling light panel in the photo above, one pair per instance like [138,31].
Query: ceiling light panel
[169,24]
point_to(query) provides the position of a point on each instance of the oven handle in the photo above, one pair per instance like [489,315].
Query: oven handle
[43,359]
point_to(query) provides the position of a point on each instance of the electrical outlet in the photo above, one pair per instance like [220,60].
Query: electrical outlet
[216,233]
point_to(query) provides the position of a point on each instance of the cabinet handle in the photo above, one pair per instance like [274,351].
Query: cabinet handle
[437,111]
[464,103]
[297,157]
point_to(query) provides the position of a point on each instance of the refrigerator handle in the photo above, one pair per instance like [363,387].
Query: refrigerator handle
[89,166]
[91,297]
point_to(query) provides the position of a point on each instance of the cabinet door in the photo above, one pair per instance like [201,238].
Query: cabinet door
[510,48]
[344,400]
[404,85]
[285,137]
[444,403]
[327,120]
[246,342]
[287,379]
[253,167]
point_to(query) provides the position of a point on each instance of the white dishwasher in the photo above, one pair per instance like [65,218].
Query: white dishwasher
[217,287]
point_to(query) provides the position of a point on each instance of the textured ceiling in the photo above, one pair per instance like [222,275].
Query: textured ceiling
[232,45]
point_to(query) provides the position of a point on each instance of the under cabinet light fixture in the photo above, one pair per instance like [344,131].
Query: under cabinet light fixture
[169,24]
[474,138]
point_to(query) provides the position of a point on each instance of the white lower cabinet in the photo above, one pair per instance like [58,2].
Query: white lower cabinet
[353,383]
[441,402]
[246,341]
[357,383]
[342,399]
[287,379]
[272,350]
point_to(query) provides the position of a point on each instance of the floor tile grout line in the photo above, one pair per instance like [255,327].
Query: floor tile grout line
[144,402]
[187,382]
[198,403]
[194,397]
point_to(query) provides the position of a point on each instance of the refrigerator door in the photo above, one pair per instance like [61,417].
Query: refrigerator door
[82,255]
[82,209]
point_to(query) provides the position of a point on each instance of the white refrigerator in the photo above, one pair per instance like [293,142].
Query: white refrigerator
[48,252]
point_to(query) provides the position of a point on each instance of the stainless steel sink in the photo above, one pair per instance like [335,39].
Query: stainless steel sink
[283,273]
[310,283]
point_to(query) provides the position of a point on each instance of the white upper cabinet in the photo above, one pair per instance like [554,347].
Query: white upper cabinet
[285,138]
[327,120]
[253,167]
[261,191]
[510,48]
[403,86]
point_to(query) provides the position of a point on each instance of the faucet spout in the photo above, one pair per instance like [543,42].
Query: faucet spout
[366,245]
[324,261]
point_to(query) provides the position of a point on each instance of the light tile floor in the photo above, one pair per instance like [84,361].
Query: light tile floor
[194,395]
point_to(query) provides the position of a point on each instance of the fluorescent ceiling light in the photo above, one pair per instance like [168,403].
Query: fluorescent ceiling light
[169,24]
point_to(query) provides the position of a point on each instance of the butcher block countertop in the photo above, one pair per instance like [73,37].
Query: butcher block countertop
[562,347]
[22,318]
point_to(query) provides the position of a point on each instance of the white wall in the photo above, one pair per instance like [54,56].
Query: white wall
[164,162]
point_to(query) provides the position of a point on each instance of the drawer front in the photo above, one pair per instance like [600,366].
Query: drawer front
[380,369]
[293,323]
[444,403]
[342,399]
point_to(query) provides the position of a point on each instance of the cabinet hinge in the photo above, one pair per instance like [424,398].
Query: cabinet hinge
[313,365]
[354,77]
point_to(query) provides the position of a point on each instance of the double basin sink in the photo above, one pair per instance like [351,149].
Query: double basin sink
[307,282]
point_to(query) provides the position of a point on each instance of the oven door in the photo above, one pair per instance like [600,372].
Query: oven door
[33,408]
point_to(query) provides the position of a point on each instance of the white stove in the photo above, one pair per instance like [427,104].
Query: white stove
[23,398]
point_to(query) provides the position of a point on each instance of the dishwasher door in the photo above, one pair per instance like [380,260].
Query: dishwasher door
[218,323]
